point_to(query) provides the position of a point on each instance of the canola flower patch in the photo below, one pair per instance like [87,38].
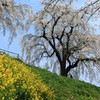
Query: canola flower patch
[18,82]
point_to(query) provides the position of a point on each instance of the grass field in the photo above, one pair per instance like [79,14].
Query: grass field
[64,88]
[68,88]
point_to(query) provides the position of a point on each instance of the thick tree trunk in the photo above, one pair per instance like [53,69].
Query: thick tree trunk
[63,70]
[63,64]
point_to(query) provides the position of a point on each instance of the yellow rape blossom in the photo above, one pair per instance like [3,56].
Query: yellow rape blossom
[17,81]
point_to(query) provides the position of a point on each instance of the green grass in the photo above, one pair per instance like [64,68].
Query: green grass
[67,88]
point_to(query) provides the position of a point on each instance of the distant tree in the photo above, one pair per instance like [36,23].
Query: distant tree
[63,36]
[12,17]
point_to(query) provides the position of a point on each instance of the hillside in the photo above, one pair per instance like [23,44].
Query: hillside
[68,88]
[43,84]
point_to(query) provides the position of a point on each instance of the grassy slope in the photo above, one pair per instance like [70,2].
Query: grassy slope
[67,88]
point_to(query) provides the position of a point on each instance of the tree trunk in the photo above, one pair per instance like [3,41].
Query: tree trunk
[63,72]
[63,69]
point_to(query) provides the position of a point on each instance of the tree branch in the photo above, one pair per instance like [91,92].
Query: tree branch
[53,46]
[72,66]
[93,13]
[90,59]
[52,31]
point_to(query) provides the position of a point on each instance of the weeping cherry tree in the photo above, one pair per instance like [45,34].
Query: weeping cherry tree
[63,36]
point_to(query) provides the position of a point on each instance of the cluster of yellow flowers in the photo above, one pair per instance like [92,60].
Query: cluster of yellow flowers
[18,82]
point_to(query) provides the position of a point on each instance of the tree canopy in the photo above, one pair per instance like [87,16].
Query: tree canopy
[12,17]
[64,36]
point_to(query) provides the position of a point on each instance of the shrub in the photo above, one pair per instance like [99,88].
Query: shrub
[18,82]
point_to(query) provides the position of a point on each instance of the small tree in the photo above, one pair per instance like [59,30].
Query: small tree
[63,36]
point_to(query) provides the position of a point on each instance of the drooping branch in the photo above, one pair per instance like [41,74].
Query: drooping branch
[93,13]
[85,11]
[90,59]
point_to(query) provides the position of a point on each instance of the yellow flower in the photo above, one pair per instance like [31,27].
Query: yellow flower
[17,75]
[3,98]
